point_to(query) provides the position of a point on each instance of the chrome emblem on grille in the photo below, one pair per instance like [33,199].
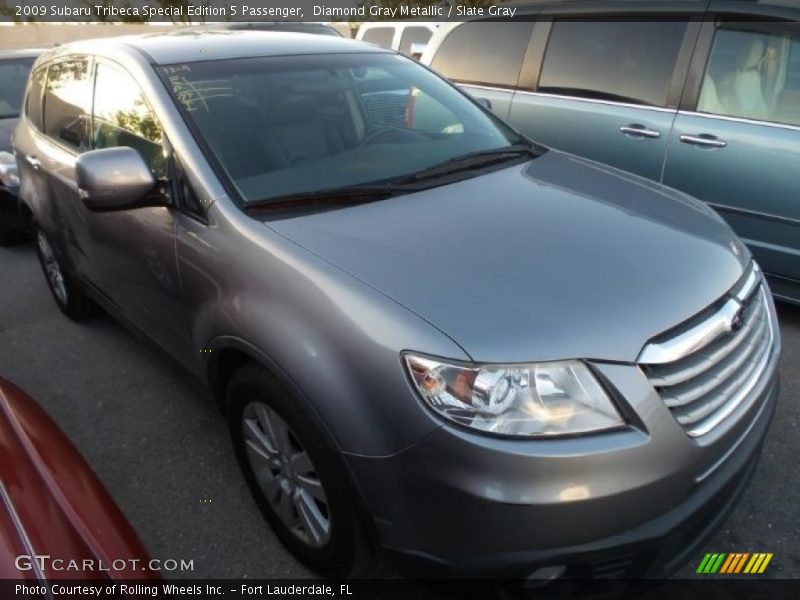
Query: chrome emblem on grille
[738,320]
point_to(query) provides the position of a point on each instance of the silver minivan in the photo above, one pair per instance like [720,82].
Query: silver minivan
[429,334]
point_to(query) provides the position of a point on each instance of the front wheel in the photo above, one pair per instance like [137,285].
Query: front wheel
[72,301]
[296,478]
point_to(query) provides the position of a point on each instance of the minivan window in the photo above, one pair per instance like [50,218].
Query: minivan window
[753,73]
[291,125]
[484,52]
[122,117]
[67,103]
[14,75]
[33,102]
[413,35]
[382,36]
[626,61]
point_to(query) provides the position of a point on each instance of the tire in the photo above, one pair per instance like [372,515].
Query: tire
[70,299]
[258,408]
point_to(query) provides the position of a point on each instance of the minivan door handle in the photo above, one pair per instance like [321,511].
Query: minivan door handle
[33,161]
[704,140]
[636,130]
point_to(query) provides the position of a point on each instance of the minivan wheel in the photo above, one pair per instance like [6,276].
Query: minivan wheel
[69,298]
[298,481]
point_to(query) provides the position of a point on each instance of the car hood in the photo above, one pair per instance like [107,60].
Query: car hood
[6,129]
[555,258]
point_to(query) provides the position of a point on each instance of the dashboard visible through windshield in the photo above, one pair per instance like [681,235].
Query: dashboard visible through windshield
[280,126]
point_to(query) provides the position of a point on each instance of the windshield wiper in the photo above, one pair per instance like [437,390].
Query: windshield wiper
[343,195]
[359,194]
[473,160]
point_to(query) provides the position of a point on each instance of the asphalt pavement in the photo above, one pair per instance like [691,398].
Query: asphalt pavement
[161,447]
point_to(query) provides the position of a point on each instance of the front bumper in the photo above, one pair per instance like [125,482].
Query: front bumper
[633,503]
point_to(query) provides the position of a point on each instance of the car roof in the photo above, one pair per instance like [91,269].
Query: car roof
[23,53]
[293,26]
[191,45]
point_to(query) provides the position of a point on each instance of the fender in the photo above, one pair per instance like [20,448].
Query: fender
[217,373]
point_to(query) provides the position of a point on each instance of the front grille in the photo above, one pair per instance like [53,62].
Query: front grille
[708,382]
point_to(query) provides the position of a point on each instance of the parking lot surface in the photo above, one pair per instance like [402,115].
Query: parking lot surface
[161,446]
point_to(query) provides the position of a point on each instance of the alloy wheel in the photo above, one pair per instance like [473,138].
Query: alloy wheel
[52,269]
[286,474]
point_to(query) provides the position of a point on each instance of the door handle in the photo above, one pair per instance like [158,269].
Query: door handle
[705,140]
[637,130]
[33,161]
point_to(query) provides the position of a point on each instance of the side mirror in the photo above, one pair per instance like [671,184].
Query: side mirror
[114,179]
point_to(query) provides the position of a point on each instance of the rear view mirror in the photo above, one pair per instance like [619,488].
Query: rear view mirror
[73,132]
[114,179]
[417,50]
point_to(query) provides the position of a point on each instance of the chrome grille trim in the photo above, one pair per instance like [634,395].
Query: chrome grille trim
[688,391]
[720,368]
[704,332]
[703,360]
[750,284]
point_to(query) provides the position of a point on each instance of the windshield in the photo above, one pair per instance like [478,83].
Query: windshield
[14,75]
[281,126]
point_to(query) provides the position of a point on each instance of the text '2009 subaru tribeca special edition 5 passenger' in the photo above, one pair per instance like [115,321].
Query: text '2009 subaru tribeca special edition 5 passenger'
[426,331]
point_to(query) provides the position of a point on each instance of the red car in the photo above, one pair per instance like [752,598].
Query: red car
[57,521]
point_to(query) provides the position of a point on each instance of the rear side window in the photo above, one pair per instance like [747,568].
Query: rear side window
[754,73]
[67,103]
[488,52]
[382,36]
[625,61]
[413,35]
[33,102]
[122,117]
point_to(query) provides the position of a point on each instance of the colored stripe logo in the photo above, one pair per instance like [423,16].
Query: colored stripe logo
[734,563]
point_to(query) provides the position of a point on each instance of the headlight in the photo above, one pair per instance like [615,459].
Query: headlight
[539,399]
[8,169]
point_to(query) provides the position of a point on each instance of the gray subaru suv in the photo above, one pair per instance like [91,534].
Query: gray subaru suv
[429,334]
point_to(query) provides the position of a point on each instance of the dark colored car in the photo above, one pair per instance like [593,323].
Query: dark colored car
[428,333]
[14,69]
[699,95]
[57,521]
